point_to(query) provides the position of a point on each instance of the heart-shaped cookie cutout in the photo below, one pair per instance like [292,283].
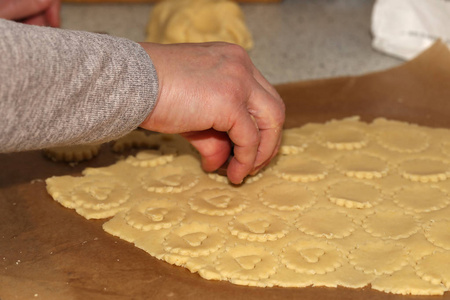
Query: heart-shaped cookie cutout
[195,239]
[248,262]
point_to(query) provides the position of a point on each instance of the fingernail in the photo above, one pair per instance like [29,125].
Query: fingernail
[256,170]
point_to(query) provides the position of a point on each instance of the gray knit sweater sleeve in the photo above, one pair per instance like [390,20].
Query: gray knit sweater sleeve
[61,87]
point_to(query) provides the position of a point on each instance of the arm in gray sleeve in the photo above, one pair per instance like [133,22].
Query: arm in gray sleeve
[61,87]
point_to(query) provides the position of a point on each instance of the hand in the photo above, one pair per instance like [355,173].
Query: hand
[33,12]
[213,95]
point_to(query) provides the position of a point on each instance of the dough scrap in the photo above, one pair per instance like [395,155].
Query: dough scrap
[353,208]
[197,21]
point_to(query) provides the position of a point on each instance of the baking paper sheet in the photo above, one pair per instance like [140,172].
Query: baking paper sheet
[50,252]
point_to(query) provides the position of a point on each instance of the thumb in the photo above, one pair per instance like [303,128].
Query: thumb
[213,146]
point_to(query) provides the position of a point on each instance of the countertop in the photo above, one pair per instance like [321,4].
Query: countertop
[295,40]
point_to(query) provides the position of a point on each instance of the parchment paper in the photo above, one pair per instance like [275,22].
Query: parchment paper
[50,252]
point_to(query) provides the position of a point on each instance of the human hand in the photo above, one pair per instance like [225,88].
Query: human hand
[33,12]
[212,94]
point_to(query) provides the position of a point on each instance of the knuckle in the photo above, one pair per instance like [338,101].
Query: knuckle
[279,114]
[254,139]
[236,50]
[42,4]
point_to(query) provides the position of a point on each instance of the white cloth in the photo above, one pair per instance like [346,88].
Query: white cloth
[404,28]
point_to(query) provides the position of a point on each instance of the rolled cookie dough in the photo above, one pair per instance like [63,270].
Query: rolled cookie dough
[353,205]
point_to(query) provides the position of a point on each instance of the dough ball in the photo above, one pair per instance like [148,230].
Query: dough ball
[197,21]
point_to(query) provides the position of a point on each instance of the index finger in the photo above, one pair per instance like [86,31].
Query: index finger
[246,138]
[268,111]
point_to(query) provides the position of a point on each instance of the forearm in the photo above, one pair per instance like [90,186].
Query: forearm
[61,87]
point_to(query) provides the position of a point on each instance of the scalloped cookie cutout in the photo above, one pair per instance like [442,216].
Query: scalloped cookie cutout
[93,197]
[390,224]
[258,226]
[379,257]
[149,241]
[168,179]
[134,139]
[154,214]
[406,282]
[193,239]
[433,269]
[325,223]
[218,202]
[362,166]
[74,153]
[438,233]
[100,193]
[292,143]
[424,170]
[246,262]
[403,139]
[287,196]
[299,168]
[312,257]
[149,158]
[341,137]
[421,198]
[354,194]
[224,179]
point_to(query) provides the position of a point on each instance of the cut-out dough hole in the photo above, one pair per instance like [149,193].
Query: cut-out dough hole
[342,137]
[403,140]
[362,166]
[424,170]
[354,194]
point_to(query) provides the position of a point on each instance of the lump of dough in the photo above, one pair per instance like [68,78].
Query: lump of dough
[197,21]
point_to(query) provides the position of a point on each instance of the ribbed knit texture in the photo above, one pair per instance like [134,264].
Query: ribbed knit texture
[61,87]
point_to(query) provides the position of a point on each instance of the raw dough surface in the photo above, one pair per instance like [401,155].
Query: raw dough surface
[345,203]
[197,21]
